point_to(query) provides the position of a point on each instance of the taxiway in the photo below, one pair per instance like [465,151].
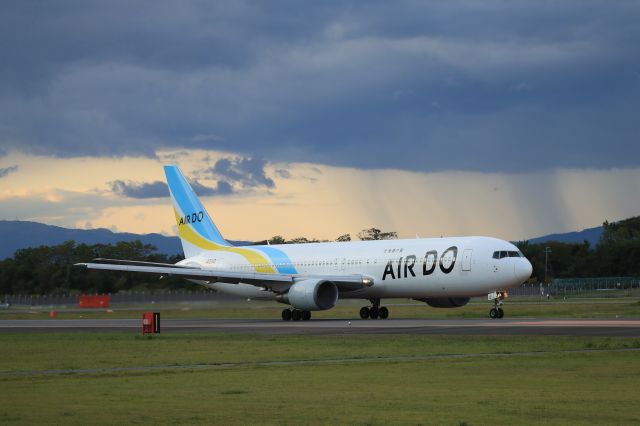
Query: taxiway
[540,327]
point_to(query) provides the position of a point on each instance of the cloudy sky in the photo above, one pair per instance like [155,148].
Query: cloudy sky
[511,119]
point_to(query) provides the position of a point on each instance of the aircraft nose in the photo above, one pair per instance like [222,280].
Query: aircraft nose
[522,269]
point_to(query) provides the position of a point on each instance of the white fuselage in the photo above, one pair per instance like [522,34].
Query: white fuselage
[411,268]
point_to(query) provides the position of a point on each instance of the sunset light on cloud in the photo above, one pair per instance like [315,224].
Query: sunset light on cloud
[318,120]
[321,201]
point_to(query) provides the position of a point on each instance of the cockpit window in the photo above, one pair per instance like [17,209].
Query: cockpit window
[502,254]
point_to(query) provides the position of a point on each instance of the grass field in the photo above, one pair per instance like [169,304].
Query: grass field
[225,378]
[370,380]
[585,308]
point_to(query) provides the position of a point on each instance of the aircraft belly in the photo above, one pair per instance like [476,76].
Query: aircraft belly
[458,284]
[406,287]
[243,290]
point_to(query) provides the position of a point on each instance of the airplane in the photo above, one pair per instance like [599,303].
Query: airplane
[442,272]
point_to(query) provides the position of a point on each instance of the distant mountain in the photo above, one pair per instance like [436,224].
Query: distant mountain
[17,234]
[590,234]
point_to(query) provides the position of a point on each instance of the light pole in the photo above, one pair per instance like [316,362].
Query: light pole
[547,250]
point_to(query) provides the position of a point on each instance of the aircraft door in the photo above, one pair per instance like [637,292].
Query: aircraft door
[343,263]
[466,259]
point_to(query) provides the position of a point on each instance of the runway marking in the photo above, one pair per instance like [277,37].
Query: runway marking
[329,361]
[581,323]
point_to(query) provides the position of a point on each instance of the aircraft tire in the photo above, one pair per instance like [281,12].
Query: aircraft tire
[364,312]
[493,313]
[296,315]
[306,315]
[373,312]
[286,315]
[500,313]
[383,312]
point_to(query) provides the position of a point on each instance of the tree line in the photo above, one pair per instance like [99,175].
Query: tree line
[364,235]
[616,254]
[50,270]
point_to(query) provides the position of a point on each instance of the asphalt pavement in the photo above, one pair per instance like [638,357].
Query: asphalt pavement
[534,327]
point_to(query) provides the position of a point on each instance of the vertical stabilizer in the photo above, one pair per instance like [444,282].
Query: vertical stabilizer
[196,230]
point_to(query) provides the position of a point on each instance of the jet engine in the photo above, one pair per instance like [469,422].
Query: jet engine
[446,302]
[311,295]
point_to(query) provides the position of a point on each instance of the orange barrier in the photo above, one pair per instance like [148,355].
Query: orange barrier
[97,301]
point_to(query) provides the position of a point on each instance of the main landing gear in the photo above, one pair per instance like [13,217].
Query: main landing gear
[295,315]
[496,312]
[375,311]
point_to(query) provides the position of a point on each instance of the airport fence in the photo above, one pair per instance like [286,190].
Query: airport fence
[596,287]
[120,298]
[601,287]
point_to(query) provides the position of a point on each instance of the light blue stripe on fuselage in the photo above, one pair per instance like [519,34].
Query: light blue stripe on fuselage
[189,204]
[280,259]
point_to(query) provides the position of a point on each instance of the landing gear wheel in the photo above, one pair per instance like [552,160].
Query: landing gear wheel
[383,312]
[306,315]
[296,315]
[373,312]
[364,312]
[496,312]
[286,315]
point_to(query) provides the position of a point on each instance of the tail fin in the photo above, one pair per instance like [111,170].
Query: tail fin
[196,230]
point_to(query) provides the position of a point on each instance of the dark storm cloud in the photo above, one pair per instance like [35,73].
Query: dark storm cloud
[248,172]
[159,189]
[4,171]
[490,86]
[130,189]
[222,188]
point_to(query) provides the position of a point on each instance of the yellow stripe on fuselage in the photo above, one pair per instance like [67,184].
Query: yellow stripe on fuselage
[259,262]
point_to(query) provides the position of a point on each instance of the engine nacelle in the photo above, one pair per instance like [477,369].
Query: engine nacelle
[311,295]
[446,302]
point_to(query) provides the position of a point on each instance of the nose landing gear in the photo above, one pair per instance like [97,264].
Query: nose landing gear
[496,312]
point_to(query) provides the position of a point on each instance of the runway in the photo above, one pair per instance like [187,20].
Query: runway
[533,327]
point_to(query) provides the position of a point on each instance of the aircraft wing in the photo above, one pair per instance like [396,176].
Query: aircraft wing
[275,282]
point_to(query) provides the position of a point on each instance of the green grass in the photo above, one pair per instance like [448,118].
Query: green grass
[76,350]
[349,309]
[552,387]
